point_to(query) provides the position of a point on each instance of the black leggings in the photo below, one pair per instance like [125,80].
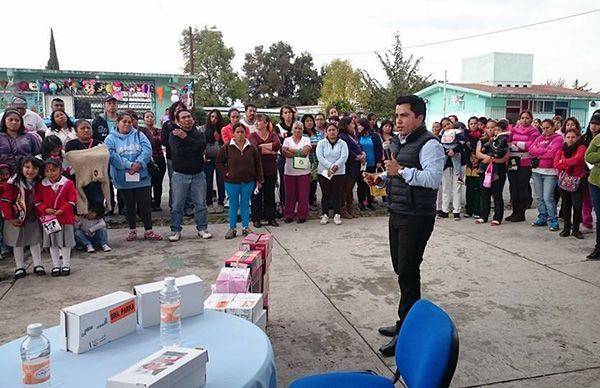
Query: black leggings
[333,192]
[157,181]
[139,199]
[495,192]
[263,203]
[520,188]
[364,191]
[572,200]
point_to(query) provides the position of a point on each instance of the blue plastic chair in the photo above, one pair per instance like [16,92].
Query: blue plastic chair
[426,355]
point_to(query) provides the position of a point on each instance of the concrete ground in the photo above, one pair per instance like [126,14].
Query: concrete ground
[524,300]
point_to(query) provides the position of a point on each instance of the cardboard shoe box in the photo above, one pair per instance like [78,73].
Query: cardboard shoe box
[170,367]
[262,243]
[192,296]
[90,324]
[247,306]
[247,259]
[233,280]
[218,302]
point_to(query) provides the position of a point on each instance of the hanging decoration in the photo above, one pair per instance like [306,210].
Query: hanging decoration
[174,95]
[160,93]
[53,87]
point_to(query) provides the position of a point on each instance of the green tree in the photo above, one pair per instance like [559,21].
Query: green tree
[53,60]
[276,76]
[402,77]
[216,83]
[341,82]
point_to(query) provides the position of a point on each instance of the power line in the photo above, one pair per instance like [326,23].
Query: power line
[468,36]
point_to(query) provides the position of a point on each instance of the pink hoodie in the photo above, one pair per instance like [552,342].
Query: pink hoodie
[545,149]
[520,139]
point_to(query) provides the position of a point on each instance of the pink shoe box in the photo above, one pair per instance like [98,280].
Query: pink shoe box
[233,280]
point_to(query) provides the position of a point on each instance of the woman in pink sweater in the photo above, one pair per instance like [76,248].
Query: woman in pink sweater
[520,138]
[544,149]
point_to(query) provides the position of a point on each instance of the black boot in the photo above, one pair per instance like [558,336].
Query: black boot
[389,349]
[576,233]
[388,331]
[595,255]
[566,230]
[518,214]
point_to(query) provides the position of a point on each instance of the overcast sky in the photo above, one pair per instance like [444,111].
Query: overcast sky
[114,35]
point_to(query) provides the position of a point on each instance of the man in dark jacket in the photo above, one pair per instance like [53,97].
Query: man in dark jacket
[413,175]
[188,180]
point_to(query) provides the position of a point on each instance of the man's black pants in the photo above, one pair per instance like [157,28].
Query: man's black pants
[408,238]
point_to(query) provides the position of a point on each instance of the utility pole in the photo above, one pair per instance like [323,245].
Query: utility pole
[192,66]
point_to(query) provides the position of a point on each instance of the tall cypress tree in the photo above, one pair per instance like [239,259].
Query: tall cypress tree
[53,60]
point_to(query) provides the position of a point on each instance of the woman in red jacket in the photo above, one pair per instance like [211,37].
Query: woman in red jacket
[569,162]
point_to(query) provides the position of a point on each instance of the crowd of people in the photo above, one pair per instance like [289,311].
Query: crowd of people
[557,155]
[58,181]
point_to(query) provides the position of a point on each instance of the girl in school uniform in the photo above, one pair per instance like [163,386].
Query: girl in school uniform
[55,200]
[21,227]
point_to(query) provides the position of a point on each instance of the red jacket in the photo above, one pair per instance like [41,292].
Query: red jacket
[45,198]
[575,165]
[227,133]
[9,199]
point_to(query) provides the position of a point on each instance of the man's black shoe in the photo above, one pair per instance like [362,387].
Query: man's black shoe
[389,349]
[388,331]
[257,224]
[595,255]
[273,223]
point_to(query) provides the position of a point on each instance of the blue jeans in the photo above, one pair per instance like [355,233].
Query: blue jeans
[100,237]
[239,198]
[544,186]
[595,196]
[192,187]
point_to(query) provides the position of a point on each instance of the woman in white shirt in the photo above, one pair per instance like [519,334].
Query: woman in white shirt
[332,154]
[295,150]
[62,127]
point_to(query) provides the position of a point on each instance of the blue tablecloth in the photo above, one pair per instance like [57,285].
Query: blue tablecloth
[239,355]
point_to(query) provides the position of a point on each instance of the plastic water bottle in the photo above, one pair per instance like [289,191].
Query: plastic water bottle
[35,357]
[170,313]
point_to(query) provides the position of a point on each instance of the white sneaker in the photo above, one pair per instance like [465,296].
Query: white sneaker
[204,234]
[175,236]
[585,229]
[337,219]
[324,219]
[211,209]
[90,249]
[106,248]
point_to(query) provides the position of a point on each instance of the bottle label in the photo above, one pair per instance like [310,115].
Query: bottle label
[36,372]
[169,313]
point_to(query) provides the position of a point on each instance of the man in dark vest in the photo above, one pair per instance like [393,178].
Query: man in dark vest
[413,175]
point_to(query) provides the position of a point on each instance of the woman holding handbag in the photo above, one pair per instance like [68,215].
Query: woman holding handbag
[569,162]
[295,150]
[493,153]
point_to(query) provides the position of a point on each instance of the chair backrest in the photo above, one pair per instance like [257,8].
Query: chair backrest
[427,348]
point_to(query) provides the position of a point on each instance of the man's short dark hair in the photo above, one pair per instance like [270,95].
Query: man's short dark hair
[56,99]
[180,112]
[417,104]
[249,106]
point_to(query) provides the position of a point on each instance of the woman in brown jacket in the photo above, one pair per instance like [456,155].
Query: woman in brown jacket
[239,163]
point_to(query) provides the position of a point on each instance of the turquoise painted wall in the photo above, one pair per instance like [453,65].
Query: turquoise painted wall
[36,100]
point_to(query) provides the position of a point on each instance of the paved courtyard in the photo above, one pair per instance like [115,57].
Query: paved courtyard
[525,301]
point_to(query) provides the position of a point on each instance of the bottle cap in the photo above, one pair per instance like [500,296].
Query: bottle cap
[35,329]
[170,281]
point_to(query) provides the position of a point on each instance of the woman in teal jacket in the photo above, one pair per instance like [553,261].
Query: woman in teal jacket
[130,151]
